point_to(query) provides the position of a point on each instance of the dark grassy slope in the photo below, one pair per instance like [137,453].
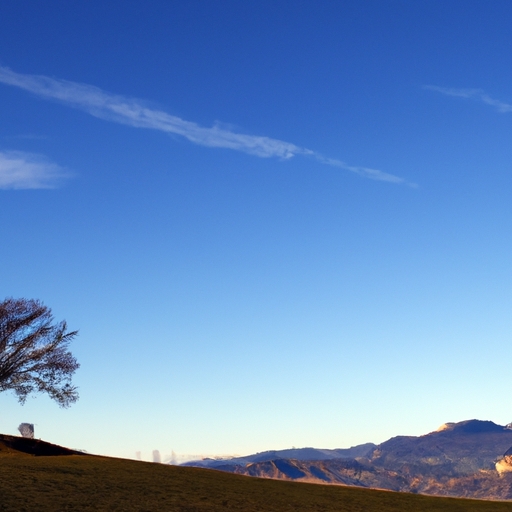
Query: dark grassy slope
[10,445]
[88,483]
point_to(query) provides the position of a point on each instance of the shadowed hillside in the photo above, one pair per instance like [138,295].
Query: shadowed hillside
[13,445]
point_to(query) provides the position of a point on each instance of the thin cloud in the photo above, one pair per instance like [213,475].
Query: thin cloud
[476,94]
[20,170]
[136,113]
[373,174]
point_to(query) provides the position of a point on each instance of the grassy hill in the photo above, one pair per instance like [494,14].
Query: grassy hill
[90,483]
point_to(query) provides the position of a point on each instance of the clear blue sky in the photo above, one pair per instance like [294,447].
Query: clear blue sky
[275,224]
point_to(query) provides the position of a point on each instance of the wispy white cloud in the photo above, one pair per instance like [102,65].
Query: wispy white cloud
[136,113]
[476,94]
[20,170]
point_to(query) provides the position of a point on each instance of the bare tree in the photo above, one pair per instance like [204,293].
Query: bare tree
[34,355]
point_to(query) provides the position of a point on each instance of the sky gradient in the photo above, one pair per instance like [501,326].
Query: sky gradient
[273,226]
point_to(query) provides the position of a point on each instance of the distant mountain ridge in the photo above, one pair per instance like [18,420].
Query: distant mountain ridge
[292,453]
[471,458]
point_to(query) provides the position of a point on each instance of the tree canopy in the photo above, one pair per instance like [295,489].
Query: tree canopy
[34,355]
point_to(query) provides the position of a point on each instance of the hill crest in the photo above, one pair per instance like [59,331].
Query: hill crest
[15,445]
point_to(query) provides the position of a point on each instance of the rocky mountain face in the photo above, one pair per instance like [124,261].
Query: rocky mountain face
[504,465]
[467,459]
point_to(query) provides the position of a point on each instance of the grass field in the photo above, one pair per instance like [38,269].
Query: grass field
[88,483]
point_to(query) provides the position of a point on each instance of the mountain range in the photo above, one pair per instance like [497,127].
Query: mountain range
[471,458]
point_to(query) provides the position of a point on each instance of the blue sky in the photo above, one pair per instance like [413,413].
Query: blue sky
[273,225]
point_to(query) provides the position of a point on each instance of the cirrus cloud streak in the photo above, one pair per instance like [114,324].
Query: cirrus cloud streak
[475,94]
[136,113]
